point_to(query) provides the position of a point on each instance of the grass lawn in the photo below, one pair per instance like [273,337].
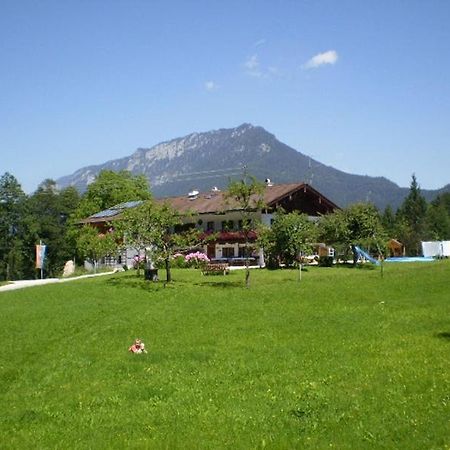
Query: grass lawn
[344,359]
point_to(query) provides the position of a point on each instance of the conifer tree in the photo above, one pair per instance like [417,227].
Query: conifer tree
[438,217]
[12,221]
[412,213]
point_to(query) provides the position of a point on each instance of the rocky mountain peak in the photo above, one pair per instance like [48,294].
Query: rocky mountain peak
[202,160]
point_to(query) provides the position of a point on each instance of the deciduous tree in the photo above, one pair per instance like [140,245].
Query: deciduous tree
[94,245]
[357,225]
[111,188]
[150,228]
[247,196]
[290,236]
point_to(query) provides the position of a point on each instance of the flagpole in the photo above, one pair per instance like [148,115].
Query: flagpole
[42,264]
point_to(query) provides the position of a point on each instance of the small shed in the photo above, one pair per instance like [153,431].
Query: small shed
[322,249]
[396,248]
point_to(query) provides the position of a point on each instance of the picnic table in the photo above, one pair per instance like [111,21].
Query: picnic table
[216,269]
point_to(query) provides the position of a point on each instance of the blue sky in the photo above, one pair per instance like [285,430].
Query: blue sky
[363,86]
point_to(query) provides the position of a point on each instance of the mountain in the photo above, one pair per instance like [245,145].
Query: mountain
[203,160]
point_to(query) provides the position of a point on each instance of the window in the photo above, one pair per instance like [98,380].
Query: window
[227,225]
[210,226]
[228,252]
[247,222]
[180,228]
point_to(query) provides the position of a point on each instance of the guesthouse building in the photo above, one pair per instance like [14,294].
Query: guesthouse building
[214,213]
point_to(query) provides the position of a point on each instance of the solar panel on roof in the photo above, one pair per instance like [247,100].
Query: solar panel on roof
[127,205]
[116,209]
[105,213]
[99,214]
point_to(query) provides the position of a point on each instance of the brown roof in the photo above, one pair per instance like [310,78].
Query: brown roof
[395,242]
[215,201]
[212,202]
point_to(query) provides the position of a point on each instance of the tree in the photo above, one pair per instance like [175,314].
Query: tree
[163,238]
[334,231]
[45,223]
[135,228]
[289,237]
[94,245]
[388,221]
[357,225]
[413,214]
[49,210]
[12,228]
[111,188]
[150,228]
[247,196]
[438,217]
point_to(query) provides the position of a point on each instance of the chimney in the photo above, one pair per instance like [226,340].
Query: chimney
[193,194]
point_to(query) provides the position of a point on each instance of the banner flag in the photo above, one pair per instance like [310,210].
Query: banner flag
[40,256]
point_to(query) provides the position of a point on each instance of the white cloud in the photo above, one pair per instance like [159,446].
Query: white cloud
[211,86]
[329,57]
[254,68]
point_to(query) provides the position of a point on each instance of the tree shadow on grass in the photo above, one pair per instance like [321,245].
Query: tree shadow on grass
[359,266]
[138,283]
[221,284]
[135,282]
[443,335]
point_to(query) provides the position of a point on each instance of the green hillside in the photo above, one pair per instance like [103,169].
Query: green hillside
[343,359]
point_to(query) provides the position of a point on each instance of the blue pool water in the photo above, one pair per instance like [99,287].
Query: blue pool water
[410,259]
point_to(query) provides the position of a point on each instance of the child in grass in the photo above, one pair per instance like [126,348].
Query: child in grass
[137,347]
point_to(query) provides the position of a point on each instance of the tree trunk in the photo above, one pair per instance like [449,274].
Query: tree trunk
[247,262]
[355,255]
[247,274]
[168,273]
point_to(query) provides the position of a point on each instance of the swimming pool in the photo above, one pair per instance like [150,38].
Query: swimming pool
[410,259]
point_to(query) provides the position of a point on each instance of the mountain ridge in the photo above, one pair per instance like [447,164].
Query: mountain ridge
[201,160]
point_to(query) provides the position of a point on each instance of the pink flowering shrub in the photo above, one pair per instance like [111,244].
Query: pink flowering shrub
[197,260]
[139,262]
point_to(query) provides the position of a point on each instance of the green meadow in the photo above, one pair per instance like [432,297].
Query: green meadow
[344,359]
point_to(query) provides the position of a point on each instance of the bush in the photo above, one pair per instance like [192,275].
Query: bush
[178,261]
[197,260]
[272,263]
[326,261]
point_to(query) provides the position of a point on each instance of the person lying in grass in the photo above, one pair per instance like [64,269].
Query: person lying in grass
[137,347]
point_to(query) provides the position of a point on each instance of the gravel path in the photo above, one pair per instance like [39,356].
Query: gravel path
[20,284]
